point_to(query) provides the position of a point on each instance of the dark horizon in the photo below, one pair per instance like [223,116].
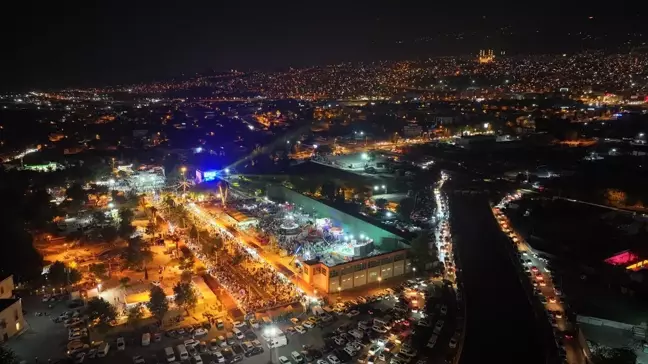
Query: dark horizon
[59,46]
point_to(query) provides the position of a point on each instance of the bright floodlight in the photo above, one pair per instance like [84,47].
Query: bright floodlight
[641,135]
[486,125]
[250,127]
[375,188]
[389,214]
[227,170]
[383,187]
[365,156]
[111,205]
[362,236]
[111,181]
[315,146]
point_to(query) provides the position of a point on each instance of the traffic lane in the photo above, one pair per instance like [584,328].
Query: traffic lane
[487,267]
[441,350]
[548,290]
[573,351]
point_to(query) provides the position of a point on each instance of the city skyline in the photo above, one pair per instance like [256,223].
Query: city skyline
[59,46]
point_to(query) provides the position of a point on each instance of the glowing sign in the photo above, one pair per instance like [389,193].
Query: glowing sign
[209,175]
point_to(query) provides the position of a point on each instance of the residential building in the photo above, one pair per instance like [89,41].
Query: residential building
[12,320]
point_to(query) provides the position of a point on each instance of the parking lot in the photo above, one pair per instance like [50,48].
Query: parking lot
[403,318]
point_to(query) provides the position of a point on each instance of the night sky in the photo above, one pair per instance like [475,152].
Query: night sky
[66,44]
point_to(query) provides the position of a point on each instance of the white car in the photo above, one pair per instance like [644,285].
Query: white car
[219,357]
[355,346]
[438,327]
[350,351]
[379,329]
[239,324]
[200,332]
[320,361]
[300,329]
[308,324]
[297,357]
[453,343]
[191,342]
[353,313]
[121,344]
[80,357]
[333,359]
[283,360]
[138,359]
[197,359]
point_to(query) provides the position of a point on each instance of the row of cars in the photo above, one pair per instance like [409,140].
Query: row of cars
[540,275]
[231,347]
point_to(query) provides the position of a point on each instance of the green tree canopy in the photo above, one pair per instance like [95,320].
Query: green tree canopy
[135,314]
[406,207]
[185,295]
[422,252]
[100,309]
[100,270]
[158,304]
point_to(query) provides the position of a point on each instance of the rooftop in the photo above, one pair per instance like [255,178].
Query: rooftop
[7,302]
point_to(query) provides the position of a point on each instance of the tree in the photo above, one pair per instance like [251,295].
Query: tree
[124,282]
[137,255]
[74,275]
[406,207]
[135,314]
[150,228]
[57,275]
[100,270]
[126,228]
[39,211]
[158,304]
[185,296]
[100,309]
[193,233]
[7,356]
[109,233]
[99,217]
[185,276]
[421,252]
[187,263]
[61,275]
[76,193]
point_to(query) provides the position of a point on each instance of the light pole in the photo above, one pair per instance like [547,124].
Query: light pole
[339,289]
[414,272]
[379,280]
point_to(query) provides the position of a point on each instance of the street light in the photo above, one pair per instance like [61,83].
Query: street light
[375,188]
[413,271]
[339,289]
[379,280]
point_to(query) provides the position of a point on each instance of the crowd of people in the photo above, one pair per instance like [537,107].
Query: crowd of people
[278,288]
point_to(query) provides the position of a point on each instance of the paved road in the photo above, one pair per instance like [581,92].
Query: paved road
[572,348]
[501,326]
